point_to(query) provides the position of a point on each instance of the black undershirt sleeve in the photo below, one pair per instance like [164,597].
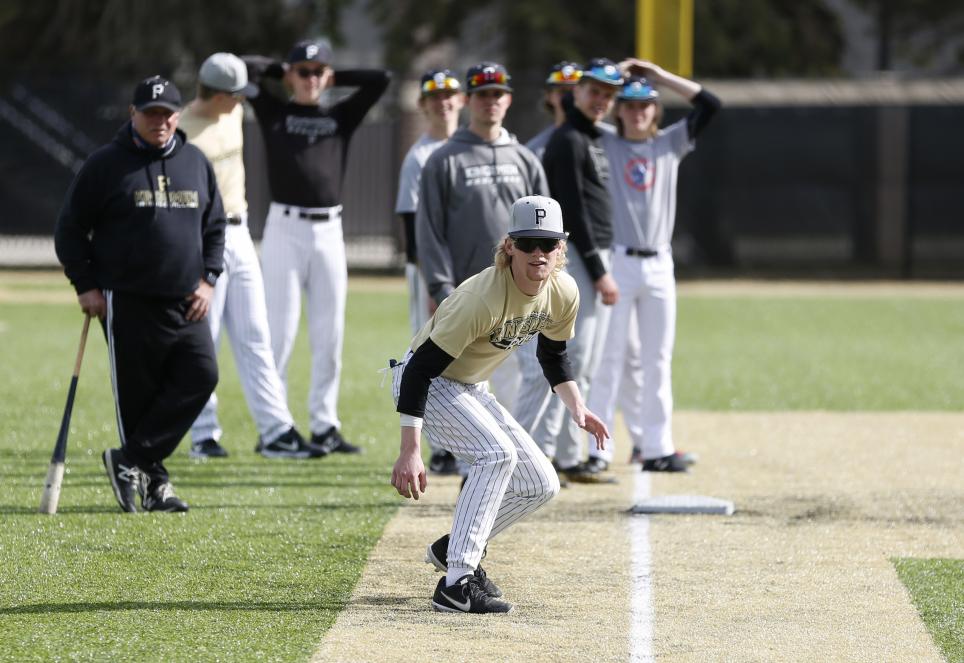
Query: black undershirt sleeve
[426,363]
[705,105]
[554,361]
[408,219]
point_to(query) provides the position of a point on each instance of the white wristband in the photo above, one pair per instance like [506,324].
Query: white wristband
[409,421]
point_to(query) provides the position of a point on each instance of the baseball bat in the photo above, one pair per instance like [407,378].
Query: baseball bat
[55,473]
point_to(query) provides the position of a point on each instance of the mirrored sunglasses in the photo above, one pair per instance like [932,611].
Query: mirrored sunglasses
[488,78]
[308,72]
[434,85]
[530,244]
[565,75]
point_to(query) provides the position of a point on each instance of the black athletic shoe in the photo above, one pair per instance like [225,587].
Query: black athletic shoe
[443,463]
[291,445]
[595,464]
[563,481]
[466,595]
[332,442]
[159,495]
[437,556]
[124,478]
[207,449]
[671,463]
[585,473]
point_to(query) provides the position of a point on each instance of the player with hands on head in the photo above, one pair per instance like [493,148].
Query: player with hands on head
[440,388]
[141,238]
[645,161]
[213,123]
[303,249]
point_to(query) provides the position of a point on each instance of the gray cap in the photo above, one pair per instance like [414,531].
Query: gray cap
[536,216]
[226,72]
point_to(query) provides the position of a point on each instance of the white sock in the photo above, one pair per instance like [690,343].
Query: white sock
[456,573]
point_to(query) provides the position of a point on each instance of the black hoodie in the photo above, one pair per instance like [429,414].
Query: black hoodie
[142,220]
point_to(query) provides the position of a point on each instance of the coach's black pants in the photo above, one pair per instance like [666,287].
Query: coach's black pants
[163,370]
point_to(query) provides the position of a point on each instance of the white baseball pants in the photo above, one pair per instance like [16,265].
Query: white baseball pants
[647,288]
[238,306]
[301,255]
[509,476]
[417,297]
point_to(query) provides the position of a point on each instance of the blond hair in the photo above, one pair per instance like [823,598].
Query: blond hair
[503,259]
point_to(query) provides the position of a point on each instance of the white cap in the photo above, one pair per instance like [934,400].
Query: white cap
[225,72]
[536,216]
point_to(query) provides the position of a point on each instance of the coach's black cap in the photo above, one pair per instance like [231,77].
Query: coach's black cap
[438,80]
[310,50]
[157,91]
[487,76]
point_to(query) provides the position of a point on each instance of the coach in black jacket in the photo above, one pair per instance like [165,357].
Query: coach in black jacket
[141,238]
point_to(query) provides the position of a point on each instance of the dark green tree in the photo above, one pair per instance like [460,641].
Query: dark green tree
[915,29]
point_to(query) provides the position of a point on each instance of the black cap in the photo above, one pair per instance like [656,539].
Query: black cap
[487,76]
[603,70]
[438,80]
[310,50]
[157,91]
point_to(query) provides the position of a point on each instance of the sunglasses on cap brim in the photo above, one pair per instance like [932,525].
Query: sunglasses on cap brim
[488,78]
[530,244]
[447,84]
[564,78]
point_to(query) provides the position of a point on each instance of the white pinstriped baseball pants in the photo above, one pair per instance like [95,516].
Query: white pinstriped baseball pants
[648,287]
[296,255]
[509,476]
[238,305]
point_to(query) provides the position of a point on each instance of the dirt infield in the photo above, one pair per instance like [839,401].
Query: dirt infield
[801,571]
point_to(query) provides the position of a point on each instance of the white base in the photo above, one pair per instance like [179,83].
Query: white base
[684,504]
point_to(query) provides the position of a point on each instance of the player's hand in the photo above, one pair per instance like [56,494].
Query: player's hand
[649,70]
[606,286]
[595,427]
[408,475]
[200,301]
[93,303]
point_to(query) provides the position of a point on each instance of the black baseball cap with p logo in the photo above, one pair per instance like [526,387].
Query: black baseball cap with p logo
[157,91]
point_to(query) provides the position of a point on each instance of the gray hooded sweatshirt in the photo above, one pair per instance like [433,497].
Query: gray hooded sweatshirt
[467,189]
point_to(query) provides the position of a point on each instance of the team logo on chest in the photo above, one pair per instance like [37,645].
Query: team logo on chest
[639,174]
[517,331]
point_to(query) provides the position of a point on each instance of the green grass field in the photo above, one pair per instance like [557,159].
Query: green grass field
[271,550]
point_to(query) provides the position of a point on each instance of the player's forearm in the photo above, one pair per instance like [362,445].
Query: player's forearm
[411,440]
[684,87]
[571,398]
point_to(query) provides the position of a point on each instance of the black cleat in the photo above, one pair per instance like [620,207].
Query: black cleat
[674,462]
[159,495]
[332,442]
[124,478]
[585,473]
[443,463]
[290,445]
[466,595]
[437,556]
[207,449]
[595,464]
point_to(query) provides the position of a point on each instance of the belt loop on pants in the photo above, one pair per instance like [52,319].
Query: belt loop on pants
[641,253]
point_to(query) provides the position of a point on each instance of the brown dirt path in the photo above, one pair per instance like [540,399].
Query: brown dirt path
[800,573]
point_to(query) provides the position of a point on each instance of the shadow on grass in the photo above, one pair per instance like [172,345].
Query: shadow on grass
[122,606]
[20,510]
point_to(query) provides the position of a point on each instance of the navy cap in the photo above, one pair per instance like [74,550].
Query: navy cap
[603,70]
[438,80]
[310,50]
[487,76]
[157,91]
[564,73]
[638,88]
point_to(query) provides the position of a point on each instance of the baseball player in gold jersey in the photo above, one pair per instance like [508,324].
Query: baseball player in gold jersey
[441,386]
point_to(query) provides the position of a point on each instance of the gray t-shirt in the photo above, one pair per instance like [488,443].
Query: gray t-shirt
[537,144]
[411,173]
[642,184]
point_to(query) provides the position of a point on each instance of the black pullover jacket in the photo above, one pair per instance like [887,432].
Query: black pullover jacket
[142,220]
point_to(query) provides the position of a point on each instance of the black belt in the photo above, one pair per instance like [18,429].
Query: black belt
[310,216]
[642,253]
[234,219]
